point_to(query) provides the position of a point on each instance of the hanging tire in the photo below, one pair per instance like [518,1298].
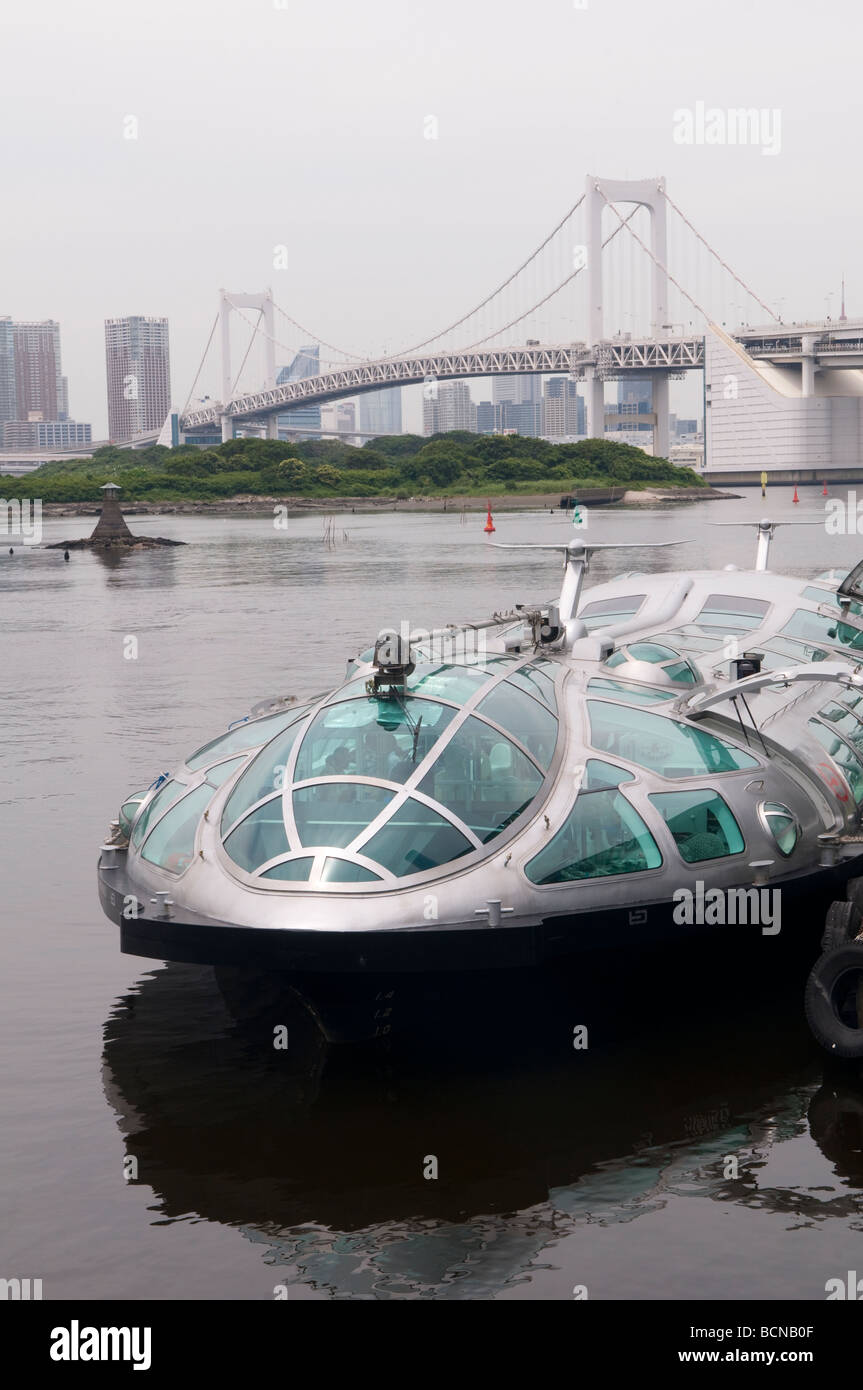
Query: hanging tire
[841,925]
[834,1000]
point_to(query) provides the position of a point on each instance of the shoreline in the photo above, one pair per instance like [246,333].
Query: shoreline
[247,505]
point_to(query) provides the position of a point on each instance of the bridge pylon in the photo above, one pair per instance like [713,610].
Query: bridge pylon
[263,302]
[649,193]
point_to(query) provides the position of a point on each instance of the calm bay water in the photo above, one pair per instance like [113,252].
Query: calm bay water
[255,1169]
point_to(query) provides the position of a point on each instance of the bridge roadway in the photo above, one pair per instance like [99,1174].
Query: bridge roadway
[837,344]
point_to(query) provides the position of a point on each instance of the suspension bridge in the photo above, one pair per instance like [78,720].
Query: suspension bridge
[623,285]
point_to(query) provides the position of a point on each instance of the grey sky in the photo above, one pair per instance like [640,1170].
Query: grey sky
[303,126]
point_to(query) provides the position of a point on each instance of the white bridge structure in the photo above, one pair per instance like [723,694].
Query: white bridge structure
[797,387]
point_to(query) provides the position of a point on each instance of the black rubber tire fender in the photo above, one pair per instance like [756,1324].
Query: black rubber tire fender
[854,893]
[829,1029]
[841,925]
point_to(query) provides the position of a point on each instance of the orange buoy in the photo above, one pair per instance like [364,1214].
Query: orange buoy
[824,488]
[795,498]
[489,524]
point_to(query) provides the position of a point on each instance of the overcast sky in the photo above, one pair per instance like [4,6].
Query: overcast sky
[303,123]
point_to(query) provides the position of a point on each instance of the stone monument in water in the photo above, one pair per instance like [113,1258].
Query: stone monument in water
[111,531]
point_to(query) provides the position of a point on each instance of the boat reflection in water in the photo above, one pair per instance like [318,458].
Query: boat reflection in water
[318,1152]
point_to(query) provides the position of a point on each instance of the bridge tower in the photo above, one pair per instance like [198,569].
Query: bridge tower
[649,193]
[263,302]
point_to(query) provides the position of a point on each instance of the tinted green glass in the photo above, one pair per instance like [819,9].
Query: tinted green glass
[291,870]
[414,839]
[602,835]
[457,683]
[604,612]
[782,824]
[681,672]
[218,775]
[732,612]
[526,719]
[599,776]
[660,744]
[651,651]
[261,836]
[128,811]
[165,797]
[343,871]
[171,844]
[616,659]
[265,774]
[633,694]
[537,683]
[843,756]
[482,778]
[371,738]
[334,813]
[701,823]
[246,735]
[813,627]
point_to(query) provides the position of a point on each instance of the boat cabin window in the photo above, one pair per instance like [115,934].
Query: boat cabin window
[250,734]
[814,627]
[416,838]
[632,694]
[798,651]
[483,779]
[732,612]
[701,823]
[661,744]
[171,844]
[605,611]
[782,824]
[602,836]
[386,739]
[334,813]
[670,663]
[165,797]
[844,757]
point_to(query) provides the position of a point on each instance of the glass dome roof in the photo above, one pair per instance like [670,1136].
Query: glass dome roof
[377,788]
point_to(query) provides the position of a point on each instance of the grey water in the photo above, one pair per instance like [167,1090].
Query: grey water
[152,1145]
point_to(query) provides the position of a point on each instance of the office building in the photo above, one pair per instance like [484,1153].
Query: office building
[40,386]
[302,417]
[139,376]
[449,407]
[381,412]
[8,398]
[562,408]
[44,434]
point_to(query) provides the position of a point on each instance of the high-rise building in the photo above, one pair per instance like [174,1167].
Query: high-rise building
[562,408]
[485,417]
[44,434]
[306,363]
[381,412]
[634,398]
[449,407]
[8,395]
[523,417]
[515,390]
[40,386]
[139,375]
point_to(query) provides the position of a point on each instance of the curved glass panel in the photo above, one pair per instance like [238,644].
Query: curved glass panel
[813,627]
[531,723]
[265,774]
[732,613]
[660,744]
[682,672]
[246,735]
[371,738]
[482,778]
[261,836]
[171,844]
[602,835]
[344,871]
[128,811]
[651,651]
[219,775]
[165,797]
[633,694]
[457,683]
[334,813]
[800,651]
[416,838]
[701,823]
[291,870]
[599,776]
[843,756]
[602,612]
[782,824]
[536,682]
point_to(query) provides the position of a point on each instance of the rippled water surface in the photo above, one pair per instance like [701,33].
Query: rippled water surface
[254,1169]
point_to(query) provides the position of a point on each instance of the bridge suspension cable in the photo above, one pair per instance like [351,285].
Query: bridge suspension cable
[664,268]
[255,328]
[551,293]
[200,365]
[506,283]
[742,283]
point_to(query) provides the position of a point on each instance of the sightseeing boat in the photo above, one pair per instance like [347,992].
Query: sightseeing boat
[659,755]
